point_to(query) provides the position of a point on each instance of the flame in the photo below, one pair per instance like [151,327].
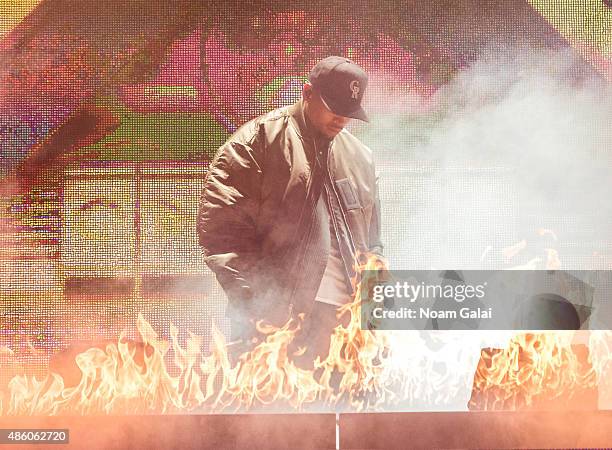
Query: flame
[551,261]
[114,381]
[364,369]
[359,355]
[264,375]
[534,370]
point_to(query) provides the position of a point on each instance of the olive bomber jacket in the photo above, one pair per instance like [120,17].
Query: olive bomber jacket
[263,218]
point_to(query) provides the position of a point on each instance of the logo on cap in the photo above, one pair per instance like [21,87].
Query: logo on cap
[342,85]
[355,88]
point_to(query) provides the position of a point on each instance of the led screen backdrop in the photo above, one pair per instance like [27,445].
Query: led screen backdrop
[490,132]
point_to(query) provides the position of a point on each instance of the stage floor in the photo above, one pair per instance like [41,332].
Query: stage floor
[330,431]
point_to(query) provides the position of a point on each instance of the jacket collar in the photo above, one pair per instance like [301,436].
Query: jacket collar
[296,112]
[304,128]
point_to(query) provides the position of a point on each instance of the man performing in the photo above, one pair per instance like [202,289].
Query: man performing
[288,202]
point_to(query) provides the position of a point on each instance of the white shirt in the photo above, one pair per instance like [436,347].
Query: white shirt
[333,289]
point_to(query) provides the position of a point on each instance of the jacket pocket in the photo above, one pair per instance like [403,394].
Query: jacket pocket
[348,193]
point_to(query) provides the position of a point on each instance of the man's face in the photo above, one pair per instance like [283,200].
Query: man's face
[325,121]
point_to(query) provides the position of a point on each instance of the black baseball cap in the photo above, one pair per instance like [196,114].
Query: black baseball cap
[341,83]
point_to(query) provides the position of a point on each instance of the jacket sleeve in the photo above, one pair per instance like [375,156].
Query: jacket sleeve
[227,219]
[376,245]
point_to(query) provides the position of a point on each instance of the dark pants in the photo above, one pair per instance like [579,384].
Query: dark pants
[315,335]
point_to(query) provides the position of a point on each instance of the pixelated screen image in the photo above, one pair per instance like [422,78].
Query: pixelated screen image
[490,127]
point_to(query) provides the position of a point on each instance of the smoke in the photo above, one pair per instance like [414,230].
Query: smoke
[536,112]
[514,149]
[517,141]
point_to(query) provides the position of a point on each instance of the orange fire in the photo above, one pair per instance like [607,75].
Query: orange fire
[535,371]
[363,370]
[117,380]
[358,355]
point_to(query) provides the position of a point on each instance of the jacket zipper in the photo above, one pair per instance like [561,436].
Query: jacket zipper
[304,207]
[303,210]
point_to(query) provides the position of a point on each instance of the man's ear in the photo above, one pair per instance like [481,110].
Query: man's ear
[307,91]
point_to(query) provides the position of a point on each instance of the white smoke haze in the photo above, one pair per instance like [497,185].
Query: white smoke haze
[514,140]
[518,140]
[436,368]
[527,112]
